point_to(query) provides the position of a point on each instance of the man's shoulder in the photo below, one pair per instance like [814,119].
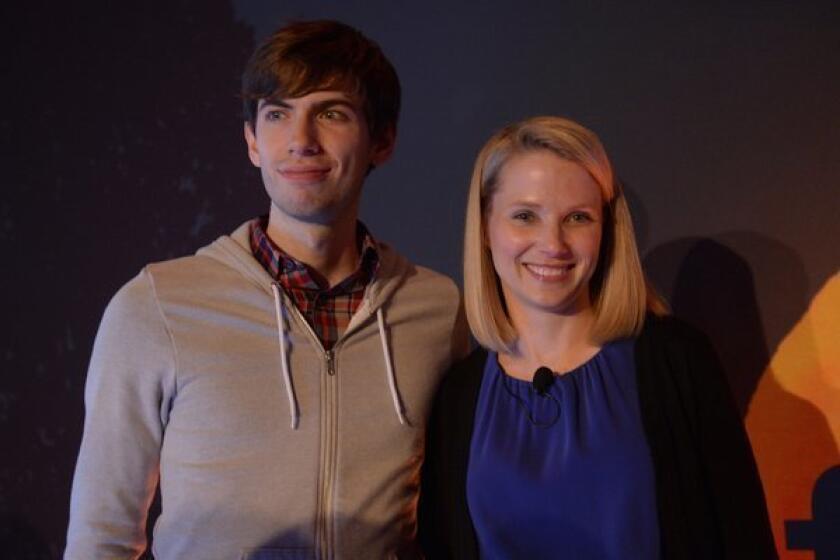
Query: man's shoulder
[414,277]
[226,260]
[190,268]
[182,277]
[429,291]
[427,276]
[142,289]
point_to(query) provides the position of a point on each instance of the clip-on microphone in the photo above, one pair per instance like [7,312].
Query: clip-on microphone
[542,381]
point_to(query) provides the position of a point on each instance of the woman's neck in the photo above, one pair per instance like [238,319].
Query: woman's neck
[560,342]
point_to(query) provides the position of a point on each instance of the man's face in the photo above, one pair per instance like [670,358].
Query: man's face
[313,153]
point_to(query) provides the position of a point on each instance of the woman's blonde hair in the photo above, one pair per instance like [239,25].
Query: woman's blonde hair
[618,290]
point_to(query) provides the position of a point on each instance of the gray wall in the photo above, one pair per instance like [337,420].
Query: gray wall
[122,145]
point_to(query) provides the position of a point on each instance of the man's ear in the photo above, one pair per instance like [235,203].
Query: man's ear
[383,148]
[251,142]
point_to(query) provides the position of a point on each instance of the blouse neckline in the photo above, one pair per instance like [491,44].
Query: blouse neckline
[576,371]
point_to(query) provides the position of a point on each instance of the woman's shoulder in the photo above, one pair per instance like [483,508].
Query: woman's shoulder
[474,361]
[464,376]
[673,353]
[669,332]
[676,350]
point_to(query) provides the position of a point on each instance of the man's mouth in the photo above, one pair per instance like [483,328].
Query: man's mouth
[305,173]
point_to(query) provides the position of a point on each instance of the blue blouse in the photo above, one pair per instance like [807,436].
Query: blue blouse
[567,475]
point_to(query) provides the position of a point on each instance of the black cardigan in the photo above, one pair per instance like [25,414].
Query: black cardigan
[709,498]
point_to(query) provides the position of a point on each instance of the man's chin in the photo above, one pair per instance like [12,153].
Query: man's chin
[312,215]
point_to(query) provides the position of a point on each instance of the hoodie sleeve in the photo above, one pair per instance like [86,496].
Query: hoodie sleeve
[129,385]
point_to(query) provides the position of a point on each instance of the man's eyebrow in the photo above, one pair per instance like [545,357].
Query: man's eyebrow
[335,101]
[273,102]
[319,106]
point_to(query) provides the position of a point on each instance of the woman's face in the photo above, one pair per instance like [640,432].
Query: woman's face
[543,228]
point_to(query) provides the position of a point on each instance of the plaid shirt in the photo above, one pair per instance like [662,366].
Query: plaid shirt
[327,310]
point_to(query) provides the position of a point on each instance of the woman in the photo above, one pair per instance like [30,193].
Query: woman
[588,424]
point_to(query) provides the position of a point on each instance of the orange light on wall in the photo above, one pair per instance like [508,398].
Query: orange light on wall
[794,423]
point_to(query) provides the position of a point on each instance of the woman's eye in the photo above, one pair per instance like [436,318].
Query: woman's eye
[523,216]
[579,217]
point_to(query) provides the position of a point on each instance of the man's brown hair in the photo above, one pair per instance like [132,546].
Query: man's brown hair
[308,56]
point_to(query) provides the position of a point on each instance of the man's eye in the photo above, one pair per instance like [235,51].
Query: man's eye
[274,115]
[334,115]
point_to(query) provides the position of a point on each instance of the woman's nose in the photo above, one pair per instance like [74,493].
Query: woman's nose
[553,241]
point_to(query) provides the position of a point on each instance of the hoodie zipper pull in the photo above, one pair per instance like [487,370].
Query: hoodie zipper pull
[330,363]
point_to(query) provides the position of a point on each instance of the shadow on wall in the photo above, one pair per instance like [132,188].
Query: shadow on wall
[790,400]
[712,287]
[127,149]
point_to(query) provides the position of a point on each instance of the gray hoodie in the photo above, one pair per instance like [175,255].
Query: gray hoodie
[206,378]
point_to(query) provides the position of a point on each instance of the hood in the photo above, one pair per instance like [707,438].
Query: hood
[234,251]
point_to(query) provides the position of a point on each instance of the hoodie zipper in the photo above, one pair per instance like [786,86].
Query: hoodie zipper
[329,414]
[330,362]
[330,453]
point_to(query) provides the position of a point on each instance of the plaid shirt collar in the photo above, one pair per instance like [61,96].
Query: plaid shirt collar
[294,275]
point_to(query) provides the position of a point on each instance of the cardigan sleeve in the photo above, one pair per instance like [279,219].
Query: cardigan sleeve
[429,530]
[711,503]
[728,461]
[445,529]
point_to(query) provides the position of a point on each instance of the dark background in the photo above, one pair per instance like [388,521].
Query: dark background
[122,144]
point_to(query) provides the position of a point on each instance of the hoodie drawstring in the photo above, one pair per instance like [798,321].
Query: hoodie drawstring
[294,413]
[392,380]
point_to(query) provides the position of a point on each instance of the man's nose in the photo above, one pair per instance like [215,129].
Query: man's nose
[303,139]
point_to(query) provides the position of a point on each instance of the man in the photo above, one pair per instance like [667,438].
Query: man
[276,384]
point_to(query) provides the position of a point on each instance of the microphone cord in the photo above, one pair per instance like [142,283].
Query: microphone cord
[524,406]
